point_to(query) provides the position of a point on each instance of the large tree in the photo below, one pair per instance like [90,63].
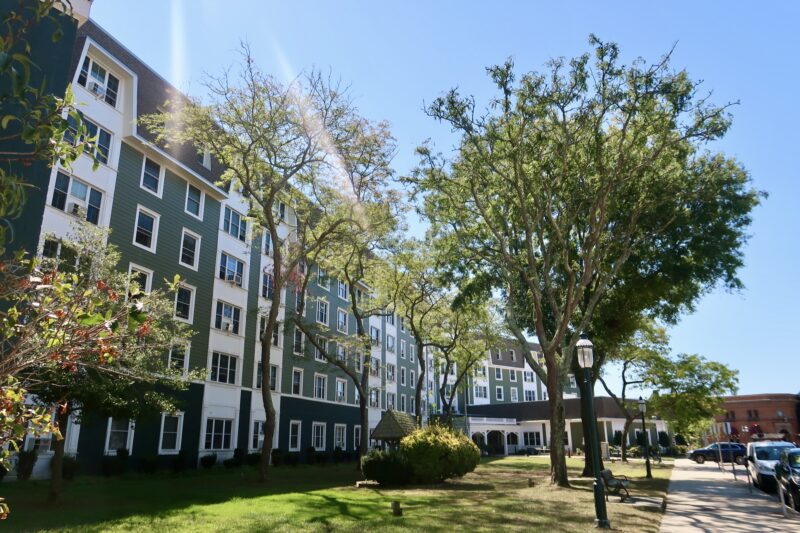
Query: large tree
[286,147]
[566,177]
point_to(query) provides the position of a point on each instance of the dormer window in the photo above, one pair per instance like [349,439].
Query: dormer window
[98,81]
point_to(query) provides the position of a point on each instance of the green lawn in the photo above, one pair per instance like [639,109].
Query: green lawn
[324,498]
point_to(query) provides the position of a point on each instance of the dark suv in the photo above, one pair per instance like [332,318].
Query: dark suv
[730,451]
[787,473]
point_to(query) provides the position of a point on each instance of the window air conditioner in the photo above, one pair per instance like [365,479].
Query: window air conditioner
[227,326]
[75,209]
[237,279]
[97,89]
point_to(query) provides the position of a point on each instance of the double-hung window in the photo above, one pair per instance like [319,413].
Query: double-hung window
[323,280]
[390,372]
[341,320]
[227,317]
[267,243]
[151,177]
[390,319]
[298,341]
[498,373]
[374,398]
[322,312]
[231,269]
[403,402]
[341,352]
[318,436]
[234,224]
[514,395]
[258,435]
[267,286]
[321,349]
[140,276]
[170,438]
[402,349]
[194,201]
[343,290]
[190,249]
[498,391]
[341,390]
[480,391]
[179,357]
[412,378]
[119,435]
[530,395]
[320,386]
[389,343]
[146,232]
[102,140]
[411,356]
[98,81]
[297,381]
[84,201]
[390,400]
[340,437]
[402,375]
[512,375]
[527,376]
[223,368]
[218,433]
[184,303]
[294,435]
[273,377]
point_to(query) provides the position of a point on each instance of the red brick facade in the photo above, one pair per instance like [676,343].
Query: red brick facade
[772,414]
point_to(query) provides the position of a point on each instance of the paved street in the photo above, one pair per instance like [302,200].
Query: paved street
[703,498]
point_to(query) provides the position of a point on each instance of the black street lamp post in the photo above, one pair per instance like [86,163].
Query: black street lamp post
[642,409]
[584,348]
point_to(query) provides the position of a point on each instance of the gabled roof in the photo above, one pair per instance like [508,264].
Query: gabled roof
[394,425]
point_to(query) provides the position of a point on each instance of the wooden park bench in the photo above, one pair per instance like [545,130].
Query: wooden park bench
[615,485]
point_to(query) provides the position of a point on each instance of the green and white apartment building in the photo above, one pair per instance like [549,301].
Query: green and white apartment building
[503,404]
[167,216]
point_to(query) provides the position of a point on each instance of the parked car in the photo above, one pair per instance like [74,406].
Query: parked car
[762,457]
[730,451]
[787,473]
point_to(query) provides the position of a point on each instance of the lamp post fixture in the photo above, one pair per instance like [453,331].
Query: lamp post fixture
[642,409]
[584,348]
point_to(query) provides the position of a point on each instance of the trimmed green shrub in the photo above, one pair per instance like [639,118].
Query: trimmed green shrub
[231,463]
[292,458]
[179,462]
[149,464]
[680,440]
[25,462]
[387,468]
[252,459]
[207,461]
[311,455]
[278,457]
[115,465]
[436,453]
[239,455]
[69,466]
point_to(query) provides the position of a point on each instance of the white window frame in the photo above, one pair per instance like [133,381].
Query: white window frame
[242,220]
[390,346]
[197,238]
[319,355]
[336,441]
[320,303]
[148,286]
[202,202]
[176,451]
[344,388]
[573,384]
[532,395]
[320,272]
[391,400]
[342,285]
[356,436]
[402,405]
[253,434]
[499,397]
[299,425]
[324,426]
[89,78]
[403,376]
[340,312]
[233,433]
[156,221]
[402,348]
[161,175]
[412,378]
[302,342]
[512,376]
[324,386]
[187,348]
[513,355]
[296,370]
[193,290]
[411,350]
[129,442]
[498,374]
[412,405]
[481,391]
[514,396]
[237,370]
[229,256]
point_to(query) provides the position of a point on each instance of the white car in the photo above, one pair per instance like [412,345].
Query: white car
[762,457]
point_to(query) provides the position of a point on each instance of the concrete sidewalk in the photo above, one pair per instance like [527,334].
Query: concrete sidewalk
[704,498]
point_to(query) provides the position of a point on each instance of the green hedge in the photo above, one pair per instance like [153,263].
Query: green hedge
[387,468]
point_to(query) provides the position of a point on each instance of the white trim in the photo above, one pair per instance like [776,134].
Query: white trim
[161,450]
[237,372]
[336,391]
[154,244]
[128,444]
[187,351]
[502,397]
[302,376]
[327,312]
[299,435]
[339,285]
[344,437]
[356,442]
[327,286]
[191,306]
[252,433]
[161,176]
[199,239]
[149,284]
[324,392]
[202,202]
[324,426]
[346,320]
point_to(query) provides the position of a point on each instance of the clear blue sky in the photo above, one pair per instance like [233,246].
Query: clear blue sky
[397,55]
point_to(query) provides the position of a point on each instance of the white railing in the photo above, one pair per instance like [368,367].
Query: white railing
[492,421]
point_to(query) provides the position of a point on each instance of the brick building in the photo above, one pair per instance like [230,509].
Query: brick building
[769,415]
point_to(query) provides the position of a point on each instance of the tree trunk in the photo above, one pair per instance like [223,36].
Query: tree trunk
[269,408]
[418,392]
[624,443]
[363,446]
[558,461]
[56,475]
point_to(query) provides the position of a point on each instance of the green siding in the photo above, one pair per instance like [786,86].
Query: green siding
[173,219]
